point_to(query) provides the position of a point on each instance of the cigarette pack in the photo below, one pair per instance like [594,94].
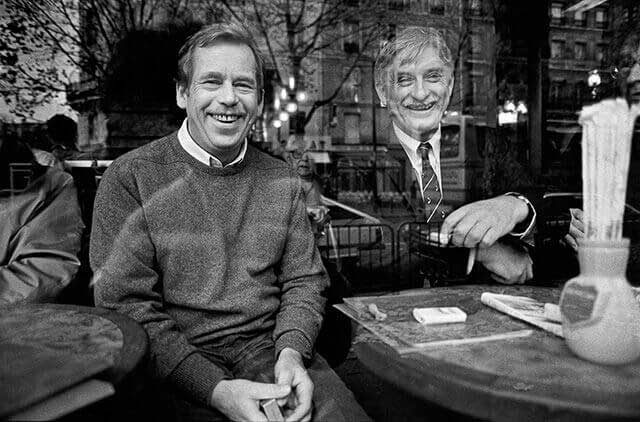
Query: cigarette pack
[444,315]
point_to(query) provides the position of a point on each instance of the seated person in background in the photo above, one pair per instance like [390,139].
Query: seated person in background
[40,228]
[414,77]
[296,154]
[205,241]
[62,132]
[41,147]
[630,88]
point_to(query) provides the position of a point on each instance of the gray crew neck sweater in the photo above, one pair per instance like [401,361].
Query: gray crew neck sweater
[201,255]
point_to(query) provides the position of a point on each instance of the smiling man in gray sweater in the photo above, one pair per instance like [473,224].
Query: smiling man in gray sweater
[205,241]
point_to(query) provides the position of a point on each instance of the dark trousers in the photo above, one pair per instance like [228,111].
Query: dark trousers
[254,359]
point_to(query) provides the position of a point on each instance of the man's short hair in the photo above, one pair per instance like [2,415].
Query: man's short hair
[212,35]
[408,45]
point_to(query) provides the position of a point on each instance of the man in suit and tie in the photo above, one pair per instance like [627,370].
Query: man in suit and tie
[414,78]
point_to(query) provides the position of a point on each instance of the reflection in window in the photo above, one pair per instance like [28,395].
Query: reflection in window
[469,92]
[558,93]
[474,7]
[557,49]
[351,38]
[601,18]
[396,5]
[600,49]
[391,31]
[580,51]
[476,44]
[580,19]
[556,13]
[436,7]
[582,93]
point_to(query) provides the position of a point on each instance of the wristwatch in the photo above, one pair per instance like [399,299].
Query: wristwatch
[524,227]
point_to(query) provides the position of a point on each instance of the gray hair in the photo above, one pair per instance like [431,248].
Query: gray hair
[408,45]
[215,34]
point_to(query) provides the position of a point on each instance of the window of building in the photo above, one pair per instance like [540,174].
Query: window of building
[436,7]
[601,18]
[599,53]
[417,6]
[351,36]
[556,93]
[474,7]
[470,89]
[582,93]
[557,49]
[580,18]
[580,51]
[391,31]
[396,5]
[632,13]
[475,44]
[556,13]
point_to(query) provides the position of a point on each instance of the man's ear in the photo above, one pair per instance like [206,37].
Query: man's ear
[181,95]
[450,87]
[261,105]
[449,90]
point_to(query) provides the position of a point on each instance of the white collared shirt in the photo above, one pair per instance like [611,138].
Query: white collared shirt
[197,152]
[410,147]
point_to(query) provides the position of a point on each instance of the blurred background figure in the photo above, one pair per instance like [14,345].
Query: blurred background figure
[629,77]
[630,69]
[296,154]
[62,133]
[40,228]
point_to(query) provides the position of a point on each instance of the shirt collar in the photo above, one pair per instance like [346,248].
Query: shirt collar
[411,145]
[197,152]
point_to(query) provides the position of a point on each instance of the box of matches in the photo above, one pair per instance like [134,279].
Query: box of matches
[442,315]
[272,410]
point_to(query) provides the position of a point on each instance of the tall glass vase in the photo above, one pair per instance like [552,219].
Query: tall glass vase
[600,315]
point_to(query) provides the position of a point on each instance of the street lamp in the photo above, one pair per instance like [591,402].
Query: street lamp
[522,108]
[593,81]
[287,102]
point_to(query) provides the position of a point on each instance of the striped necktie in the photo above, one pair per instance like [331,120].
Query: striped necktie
[431,193]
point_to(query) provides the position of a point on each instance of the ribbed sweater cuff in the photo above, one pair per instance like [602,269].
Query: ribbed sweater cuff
[197,377]
[297,341]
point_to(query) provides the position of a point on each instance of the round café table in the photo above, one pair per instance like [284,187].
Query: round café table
[533,378]
[40,341]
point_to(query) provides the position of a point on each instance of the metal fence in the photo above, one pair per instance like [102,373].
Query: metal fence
[379,257]
[364,253]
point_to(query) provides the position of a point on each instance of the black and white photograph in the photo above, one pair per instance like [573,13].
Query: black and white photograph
[298,210]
